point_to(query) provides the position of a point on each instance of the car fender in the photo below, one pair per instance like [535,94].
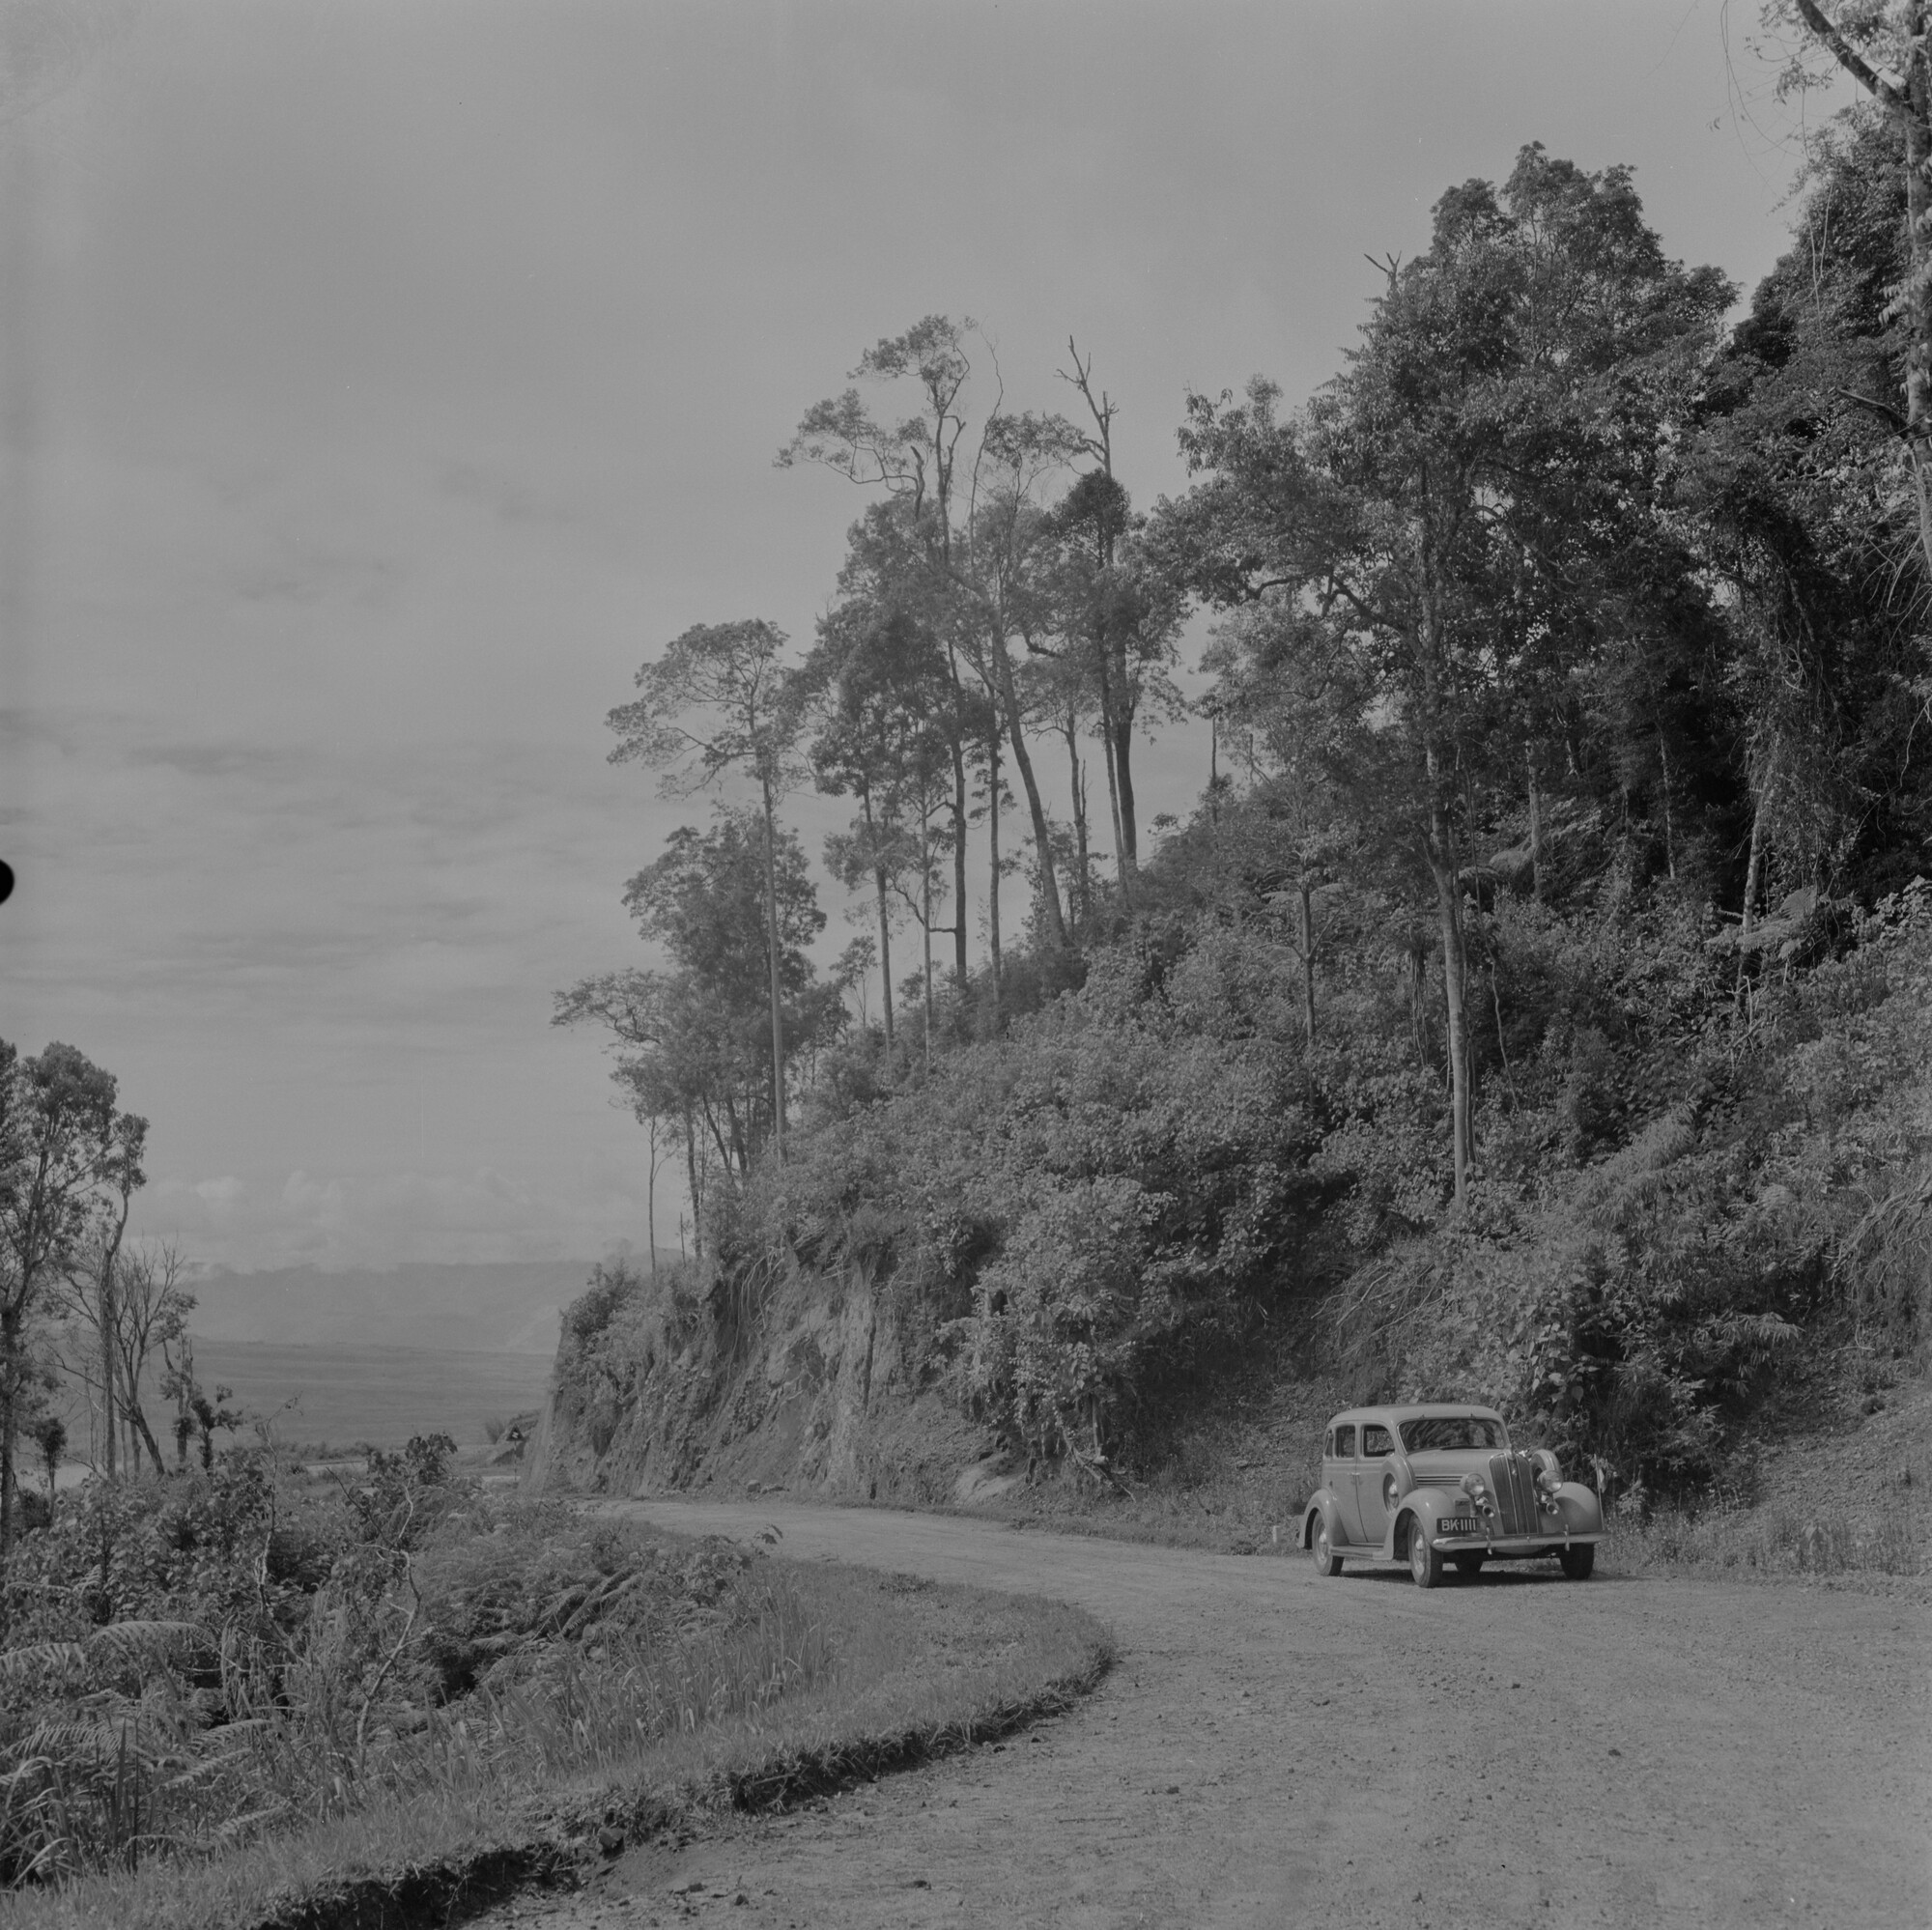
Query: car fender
[1427,1505]
[1582,1512]
[1321,1502]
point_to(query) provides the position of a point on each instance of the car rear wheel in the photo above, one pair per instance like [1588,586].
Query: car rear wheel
[1470,1564]
[1425,1564]
[1579,1561]
[1326,1560]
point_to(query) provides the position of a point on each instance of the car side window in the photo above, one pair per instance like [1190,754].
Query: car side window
[1344,1444]
[1376,1440]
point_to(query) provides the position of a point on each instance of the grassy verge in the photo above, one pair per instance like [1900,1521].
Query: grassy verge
[1775,1541]
[1843,1499]
[909,1670]
[1857,1541]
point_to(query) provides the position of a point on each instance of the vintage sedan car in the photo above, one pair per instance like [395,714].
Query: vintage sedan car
[1438,1483]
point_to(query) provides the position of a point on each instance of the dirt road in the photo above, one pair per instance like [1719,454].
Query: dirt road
[1277,1750]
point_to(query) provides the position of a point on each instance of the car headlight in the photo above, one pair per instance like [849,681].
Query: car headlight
[1473,1487]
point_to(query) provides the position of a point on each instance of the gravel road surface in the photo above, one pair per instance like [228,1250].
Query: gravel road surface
[1278,1749]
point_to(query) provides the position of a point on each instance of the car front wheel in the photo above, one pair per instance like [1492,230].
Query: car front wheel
[1326,1560]
[1579,1561]
[1425,1564]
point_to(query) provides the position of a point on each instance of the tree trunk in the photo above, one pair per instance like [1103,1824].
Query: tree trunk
[1124,778]
[993,879]
[1077,780]
[884,956]
[1502,1043]
[960,811]
[1049,883]
[139,1419]
[1754,868]
[885,925]
[1110,657]
[1113,786]
[10,1374]
[1664,791]
[1916,297]
[691,1181]
[106,1310]
[1418,1005]
[1449,908]
[772,938]
[651,1196]
[926,931]
[1535,829]
[1308,960]
[111,1257]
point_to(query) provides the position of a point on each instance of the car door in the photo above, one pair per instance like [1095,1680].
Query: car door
[1372,1515]
[1341,1480]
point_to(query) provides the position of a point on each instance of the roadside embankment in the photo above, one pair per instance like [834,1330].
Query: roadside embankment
[814,1386]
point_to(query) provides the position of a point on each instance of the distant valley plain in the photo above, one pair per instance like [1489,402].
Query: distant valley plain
[382,1395]
[378,1356]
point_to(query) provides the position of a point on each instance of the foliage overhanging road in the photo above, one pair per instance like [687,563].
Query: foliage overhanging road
[1275,1748]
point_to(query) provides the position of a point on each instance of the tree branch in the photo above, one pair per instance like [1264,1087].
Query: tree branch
[1884,410]
[1848,57]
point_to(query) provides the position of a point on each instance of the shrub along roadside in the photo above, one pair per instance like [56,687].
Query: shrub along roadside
[917,1669]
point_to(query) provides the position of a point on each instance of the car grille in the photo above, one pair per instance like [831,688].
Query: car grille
[1513,1482]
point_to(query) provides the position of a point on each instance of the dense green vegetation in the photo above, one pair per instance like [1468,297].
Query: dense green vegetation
[192,1663]
[301,1692]
[1532,1008]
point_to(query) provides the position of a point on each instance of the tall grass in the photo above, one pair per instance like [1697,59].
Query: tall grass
[1884,1265]
[591,1712]
[124,1779]
[1889,1538]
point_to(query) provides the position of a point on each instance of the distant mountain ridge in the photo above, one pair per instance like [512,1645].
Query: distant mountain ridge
[482,1307]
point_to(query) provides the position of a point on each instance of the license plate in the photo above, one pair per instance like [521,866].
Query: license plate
[1457,1524]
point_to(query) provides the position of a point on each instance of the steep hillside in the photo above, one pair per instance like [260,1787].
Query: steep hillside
[813,1387]
[1535,1007]
[1705,1195]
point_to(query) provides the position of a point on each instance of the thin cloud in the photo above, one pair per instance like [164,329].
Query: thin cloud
[220,761]
[46,46]
[336,1221]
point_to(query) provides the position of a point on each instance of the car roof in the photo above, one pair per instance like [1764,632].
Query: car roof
[1416,1410]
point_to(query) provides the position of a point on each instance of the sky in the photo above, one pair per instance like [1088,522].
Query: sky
[383,381]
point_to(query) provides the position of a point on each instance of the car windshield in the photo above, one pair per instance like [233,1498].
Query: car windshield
[1451,1430]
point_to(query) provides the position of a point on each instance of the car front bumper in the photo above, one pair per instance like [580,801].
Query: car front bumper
[1510,1544]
